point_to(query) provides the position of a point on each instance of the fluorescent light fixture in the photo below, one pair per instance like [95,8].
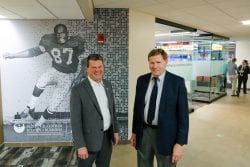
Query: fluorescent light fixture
[245,22]
[174,34]
[216,47]
[167,42]
[2,17]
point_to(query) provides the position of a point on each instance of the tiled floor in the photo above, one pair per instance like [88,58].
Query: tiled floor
[1,135]
[37,156]
[1,124]
[219,137]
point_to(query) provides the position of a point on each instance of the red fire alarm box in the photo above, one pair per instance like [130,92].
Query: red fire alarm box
[100,38]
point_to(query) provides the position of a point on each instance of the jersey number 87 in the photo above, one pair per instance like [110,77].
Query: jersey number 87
[56,53]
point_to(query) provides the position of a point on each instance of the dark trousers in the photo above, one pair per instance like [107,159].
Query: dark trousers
[244,81]
[148,150]
[101,158]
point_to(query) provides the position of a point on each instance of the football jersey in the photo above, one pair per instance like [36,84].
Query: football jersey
[64,56]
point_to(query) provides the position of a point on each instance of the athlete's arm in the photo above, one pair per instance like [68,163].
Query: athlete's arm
[36,51]
[80,73]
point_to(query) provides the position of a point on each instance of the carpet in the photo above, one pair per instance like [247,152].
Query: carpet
[37,156]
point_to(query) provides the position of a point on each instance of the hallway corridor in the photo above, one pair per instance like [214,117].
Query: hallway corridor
[219,137]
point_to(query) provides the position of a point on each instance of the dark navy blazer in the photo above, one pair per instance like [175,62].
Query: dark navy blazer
[173,121]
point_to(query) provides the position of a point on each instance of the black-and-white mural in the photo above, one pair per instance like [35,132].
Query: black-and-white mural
[42,59]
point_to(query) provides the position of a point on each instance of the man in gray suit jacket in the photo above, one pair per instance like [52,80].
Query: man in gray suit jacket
[93,117]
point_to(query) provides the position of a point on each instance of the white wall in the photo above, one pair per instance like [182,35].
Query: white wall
[243,52]
[1,114]
[141,41]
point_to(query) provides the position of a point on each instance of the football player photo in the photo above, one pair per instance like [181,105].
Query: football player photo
[64,51]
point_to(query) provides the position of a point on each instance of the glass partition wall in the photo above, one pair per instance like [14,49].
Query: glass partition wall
[209,70]
[200,60]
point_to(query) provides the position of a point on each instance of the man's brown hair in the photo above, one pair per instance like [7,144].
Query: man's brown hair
[155,52]
[94,57]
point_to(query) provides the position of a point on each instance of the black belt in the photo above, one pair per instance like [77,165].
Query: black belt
[149,126]
[106,131]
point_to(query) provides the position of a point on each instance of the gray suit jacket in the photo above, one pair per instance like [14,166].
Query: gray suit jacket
[86,117]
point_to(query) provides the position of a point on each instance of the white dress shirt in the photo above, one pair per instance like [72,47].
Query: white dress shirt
[102,100]
[158,99]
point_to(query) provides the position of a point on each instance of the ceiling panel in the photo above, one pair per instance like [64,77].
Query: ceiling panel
[189,20]
[204,10]
[162,1]
[218,18]
[199,24]
[102,2]
[174,13]
[240,28]
[233,4]
[242,13]
[210,15]
[222,20]
[124,3]
[8,14]
[180,4]
[28,9]
[63,9]
[215,1]
[157,8]
[237,33]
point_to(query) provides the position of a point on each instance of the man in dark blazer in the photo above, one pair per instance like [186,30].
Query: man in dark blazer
[243,71]
[160,120]
[93,117]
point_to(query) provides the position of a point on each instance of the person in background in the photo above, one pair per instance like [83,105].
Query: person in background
[243,71]
[160,120]
[232,74]
[93,116]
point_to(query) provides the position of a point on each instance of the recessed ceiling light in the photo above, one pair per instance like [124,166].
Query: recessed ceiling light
[245,22]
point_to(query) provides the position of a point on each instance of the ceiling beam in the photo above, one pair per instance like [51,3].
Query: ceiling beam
[169,23]
[87,9]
